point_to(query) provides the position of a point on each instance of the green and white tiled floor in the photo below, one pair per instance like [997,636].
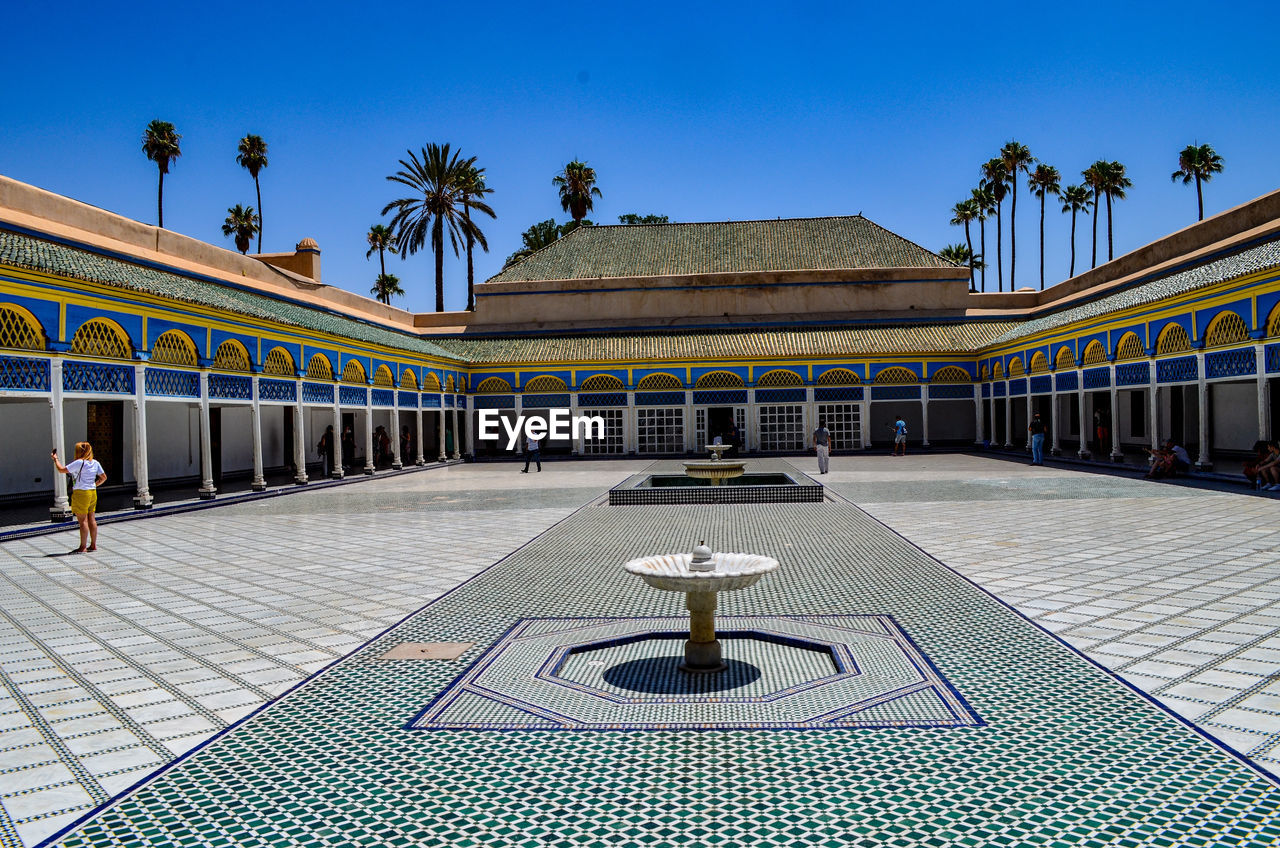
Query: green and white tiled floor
[1068,756]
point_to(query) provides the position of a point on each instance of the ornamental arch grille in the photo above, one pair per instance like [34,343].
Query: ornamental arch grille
[656,382]
[1227,328]
[319,368]
[838,377]
[601,383]
[353,372]
[986,372]
[999,371]
[231,356]
[100,337]
[545,384]
[493,386]
[1065,358]
[1016,367]
[382,377]
[719,380]
[1095,353]
[431,383]
[174,347]
[279,363]
[780,377]
[448,384]
[896,376]
[409,380]
[1039,363]
[1273,323]
[1130,347]
[950,374]
[19,331]
[1173,339]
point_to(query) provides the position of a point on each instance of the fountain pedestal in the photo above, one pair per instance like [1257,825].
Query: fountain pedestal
[702,650]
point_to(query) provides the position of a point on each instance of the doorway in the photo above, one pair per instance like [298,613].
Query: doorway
[105,431]
[215,443]
[288,460]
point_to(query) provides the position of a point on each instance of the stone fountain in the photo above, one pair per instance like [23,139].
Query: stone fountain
[702,575]
[715,469]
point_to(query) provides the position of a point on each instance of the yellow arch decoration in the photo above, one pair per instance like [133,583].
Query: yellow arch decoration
[1226,328]
[382,378]
[493,386]
[986,372]
[1173,339]
[102,337]
[780,377]
[896,375]
[354,372]
[409,380]
[951,374]
[545,383]
[1016,367]
[319,368]
[838,377]
[1273,322]
[601,383]
[448,384]
[431,383]
[174,347]
[232,356]
[1130,347]
[719,380]
[1065,359]
[998,374]
[279,363]
[1039,363]
[1095,353]
[659,381]
[19,329]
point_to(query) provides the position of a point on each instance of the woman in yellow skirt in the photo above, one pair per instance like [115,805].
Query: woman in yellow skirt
[87,475]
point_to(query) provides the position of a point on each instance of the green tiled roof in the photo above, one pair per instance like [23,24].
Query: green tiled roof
[1236,265]
[793,244]
[21,251]
[732,344]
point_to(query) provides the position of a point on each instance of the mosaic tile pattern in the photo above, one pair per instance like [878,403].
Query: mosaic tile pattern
[817,672]
[1069,756]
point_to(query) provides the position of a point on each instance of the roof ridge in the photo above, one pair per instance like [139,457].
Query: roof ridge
[732,221]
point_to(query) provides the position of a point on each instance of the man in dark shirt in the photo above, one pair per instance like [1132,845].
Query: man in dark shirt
[1036,429]
[822,446]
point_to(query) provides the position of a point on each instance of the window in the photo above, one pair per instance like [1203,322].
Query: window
[612,443]
[20,332]
[844,422]
[100,337]
[660,430]
[231,356]
[279,363]
[782,428]
[173,348]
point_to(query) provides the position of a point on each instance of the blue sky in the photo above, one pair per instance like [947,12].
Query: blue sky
[697,111]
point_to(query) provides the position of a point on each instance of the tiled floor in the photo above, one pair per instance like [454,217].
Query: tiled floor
[112,664]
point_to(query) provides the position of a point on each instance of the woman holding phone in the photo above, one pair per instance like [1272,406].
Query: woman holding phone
[87,475]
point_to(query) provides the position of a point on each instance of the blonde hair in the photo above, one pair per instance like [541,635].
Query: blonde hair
[84,451]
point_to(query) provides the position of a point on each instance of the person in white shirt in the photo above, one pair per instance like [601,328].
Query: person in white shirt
[532,453]
[822,446]
[86,476]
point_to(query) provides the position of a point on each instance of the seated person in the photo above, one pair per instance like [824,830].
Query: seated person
[1181,460]
[1269,469]
[1161,463]
[1260,455]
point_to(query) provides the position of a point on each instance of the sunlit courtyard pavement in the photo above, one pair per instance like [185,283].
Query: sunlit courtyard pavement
[116,664]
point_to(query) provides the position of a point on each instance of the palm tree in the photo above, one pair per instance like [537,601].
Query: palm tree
[1092,176]
[986,203]
[242,222]
[252,156]
[962,214]
[473,187]
[1199,163]
[577,186]
[957,253]
[995,178]
[386,287]
[162,144]
[534,239]
[382,240]
[1016,157]
[436,179]
[1043,181]
[1075,198]
[1114,183]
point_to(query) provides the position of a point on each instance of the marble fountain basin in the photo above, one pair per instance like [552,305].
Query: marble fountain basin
[722,572]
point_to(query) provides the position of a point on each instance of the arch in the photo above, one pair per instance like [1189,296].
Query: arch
[998,373]
[1173,339]
[319,368]
[546,383]
[19,329]
[1039,363]
[353,372]
[174,347]
[493,386]
[448,384]
[232,356]
[279,363]
[986,372]
[102,337]
[1065,359]
[1095,353]
[1273,322]
[383,377]
[951,374]
[1226,328]
[431,383]
[1130,347]
[896,375]
[601,383]
[659,381]
[779,377]
[719,380]
[409,380]
[1017,367]
[838,377]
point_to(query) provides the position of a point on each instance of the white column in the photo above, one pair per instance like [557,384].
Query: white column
[255,422]
[1054,415]
[440,430]
[368,432]
[299,440]
[420,459]
[141,475]
[61,509]
[1083,452]
[991,404]
[811,416]
[1008,414]
[1264,401]
[1030,404]
[457,434]
[337,472]
[468,423]
[1203,463]
[207,489]
[630,438]
[397,461]
[691,430]
[977,414]
[865,415]
[1116,454]
[924,413]
[1153,405]
[574,435]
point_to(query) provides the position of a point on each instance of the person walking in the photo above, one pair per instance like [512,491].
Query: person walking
[899,435]
[87,475]
[1036,428]
[348,447]
[532,453]
[822,446]
[325,449]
